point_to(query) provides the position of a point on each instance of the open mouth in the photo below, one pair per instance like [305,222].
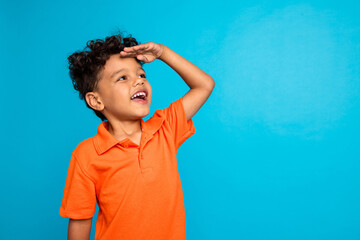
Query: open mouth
[140,97]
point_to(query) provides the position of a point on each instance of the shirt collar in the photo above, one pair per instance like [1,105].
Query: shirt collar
[103,140]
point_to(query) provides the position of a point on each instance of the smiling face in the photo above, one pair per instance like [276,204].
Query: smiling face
[119,80]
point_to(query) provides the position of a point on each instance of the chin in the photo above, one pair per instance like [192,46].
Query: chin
[145,113]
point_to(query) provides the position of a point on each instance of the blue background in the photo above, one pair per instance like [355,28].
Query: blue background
[276,150]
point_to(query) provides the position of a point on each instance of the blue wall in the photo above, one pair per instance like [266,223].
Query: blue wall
[276,153]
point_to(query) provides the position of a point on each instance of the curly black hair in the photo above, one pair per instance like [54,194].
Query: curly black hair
[85,65]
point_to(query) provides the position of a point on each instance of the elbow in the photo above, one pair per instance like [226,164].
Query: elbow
[211,84]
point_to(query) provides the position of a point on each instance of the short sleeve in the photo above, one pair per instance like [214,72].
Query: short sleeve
[79,198]
[176,117]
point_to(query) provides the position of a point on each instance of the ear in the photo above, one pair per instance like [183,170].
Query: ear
[94,101]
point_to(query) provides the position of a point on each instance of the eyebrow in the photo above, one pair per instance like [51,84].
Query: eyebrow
[123,69]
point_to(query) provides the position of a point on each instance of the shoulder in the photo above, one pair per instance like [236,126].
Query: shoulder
[84,146]
[174,104]
[84,152]
[170,109]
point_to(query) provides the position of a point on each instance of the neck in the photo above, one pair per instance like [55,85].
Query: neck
[120,129]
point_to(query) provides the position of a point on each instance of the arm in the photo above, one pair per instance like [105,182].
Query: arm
[79,229]
[200,83]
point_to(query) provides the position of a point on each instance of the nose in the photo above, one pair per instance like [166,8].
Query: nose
[139,81]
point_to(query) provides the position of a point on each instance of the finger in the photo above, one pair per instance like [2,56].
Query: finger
[141,46]
[122,53]
[146,59]
[132,50]
[137,48]
[125,54]
[143,58]
[129,49]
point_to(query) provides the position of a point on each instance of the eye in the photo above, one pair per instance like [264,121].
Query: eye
[122,77]
[143,75]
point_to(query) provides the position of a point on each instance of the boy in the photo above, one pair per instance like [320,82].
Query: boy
[129,167]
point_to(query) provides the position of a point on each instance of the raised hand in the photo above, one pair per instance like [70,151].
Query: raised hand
[146,52]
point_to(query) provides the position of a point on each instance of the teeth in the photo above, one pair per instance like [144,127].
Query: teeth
[138,94]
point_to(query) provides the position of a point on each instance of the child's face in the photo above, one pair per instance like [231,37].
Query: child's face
[116,89]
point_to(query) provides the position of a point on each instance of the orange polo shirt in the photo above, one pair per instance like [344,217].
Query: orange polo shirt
[137,188]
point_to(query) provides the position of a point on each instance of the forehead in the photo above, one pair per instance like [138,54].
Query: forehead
[115,63]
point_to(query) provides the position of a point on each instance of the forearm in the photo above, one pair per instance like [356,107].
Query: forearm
[193,76]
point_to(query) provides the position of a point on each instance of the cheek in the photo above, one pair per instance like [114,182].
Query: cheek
[149,88]
[121,92]
[115,97]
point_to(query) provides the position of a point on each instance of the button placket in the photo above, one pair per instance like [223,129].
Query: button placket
[145,139]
